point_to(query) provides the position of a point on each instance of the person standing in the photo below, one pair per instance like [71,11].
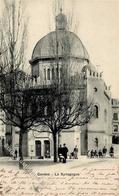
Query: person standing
[100,154]
[64,152]
[76,152]
[92,153]
[15,154]
[60,152]
[104,150]
[111,152]
[95,153]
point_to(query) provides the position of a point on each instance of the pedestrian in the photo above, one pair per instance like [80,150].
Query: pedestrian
[104,150]
[89,153]
[64,152]
[15,154]
[111,152]
[95,153]
[71,155]
[60,149]
[92,153]
[75,152]
[100,154]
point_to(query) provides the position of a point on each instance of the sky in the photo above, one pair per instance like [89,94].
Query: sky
[96,22]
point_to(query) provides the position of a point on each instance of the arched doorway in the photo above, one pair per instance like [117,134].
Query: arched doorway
[115,139]
[38,148]
[47,149]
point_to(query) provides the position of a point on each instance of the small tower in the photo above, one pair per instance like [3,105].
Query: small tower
[61,21]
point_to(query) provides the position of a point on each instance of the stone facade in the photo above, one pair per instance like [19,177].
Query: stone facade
[115,121]
[98,132]
[43,65]
[100,126]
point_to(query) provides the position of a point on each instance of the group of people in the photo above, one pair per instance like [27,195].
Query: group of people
[100,153]
[63,150]
[62,153]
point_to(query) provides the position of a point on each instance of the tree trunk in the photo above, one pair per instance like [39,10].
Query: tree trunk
[20,149]
[55,147]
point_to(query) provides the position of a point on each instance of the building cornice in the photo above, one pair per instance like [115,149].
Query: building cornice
[51,58]
[99,131]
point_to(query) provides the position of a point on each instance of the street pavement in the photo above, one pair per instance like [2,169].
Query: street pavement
[81,177]
[82,161]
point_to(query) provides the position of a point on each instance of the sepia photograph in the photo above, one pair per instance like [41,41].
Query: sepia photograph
[59,97]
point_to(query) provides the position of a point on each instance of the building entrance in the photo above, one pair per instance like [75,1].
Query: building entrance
[38,148]
[47,149]
[115,139]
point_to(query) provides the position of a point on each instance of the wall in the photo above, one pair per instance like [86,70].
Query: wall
[100,127]
[71,138]
[115,122]
[35,136]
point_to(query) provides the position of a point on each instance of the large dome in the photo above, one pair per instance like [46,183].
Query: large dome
[60,42]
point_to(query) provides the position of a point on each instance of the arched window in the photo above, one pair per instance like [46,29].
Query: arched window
[48,74]
[96,112]
[61,72]
[46,111]
[44,74]
[53,74]
[105,115]
[115,128]
[57,72]
[115,116]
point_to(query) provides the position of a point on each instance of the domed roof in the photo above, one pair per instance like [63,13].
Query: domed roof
[60,42]
[89,67]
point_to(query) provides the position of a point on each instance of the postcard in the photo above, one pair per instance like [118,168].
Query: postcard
[59,97]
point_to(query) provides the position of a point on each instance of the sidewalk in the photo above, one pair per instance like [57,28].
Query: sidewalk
[80,158]
[44,165]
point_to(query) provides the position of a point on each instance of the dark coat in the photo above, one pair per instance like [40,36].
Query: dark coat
[64,152]
[111,150]
[60,149]
[104,150]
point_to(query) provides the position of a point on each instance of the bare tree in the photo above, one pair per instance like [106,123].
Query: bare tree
[13,35]
[66,107]
[20,106]
[67,104]
[16,99]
